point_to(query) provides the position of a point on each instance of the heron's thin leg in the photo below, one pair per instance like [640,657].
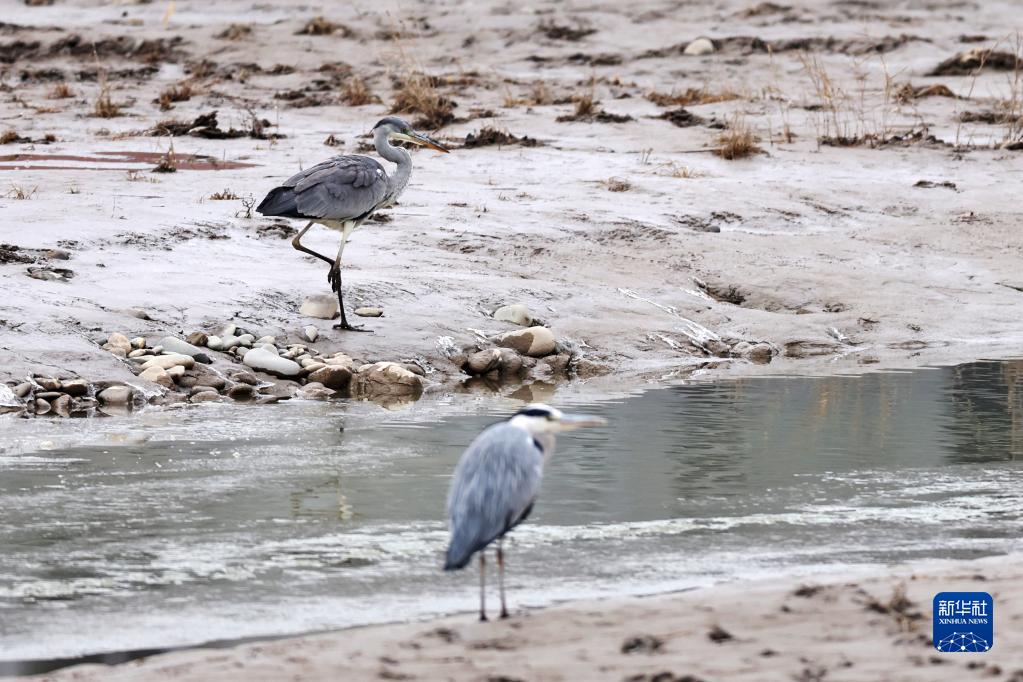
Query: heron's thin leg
[334,277]
[483,579]
[500,577]
[297,243]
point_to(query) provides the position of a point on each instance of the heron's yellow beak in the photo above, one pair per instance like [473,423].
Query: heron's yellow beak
[570,422]
[421,140]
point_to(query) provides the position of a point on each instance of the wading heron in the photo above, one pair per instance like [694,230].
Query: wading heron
[342,192]
[496,483]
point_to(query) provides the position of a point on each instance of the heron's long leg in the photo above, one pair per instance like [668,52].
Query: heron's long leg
[297,243]
[500,577]
[334,277]
[483,579]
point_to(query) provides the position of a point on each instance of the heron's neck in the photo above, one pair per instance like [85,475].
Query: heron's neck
[397,181]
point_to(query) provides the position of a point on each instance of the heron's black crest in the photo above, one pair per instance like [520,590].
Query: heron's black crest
[393,121]
[535,412]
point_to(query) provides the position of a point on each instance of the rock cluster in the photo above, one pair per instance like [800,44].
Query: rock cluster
[64,397]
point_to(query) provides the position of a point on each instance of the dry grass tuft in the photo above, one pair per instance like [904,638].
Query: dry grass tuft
[10,136]
[61,91]
[683,172]
[20,193]
[356,93]
[417,93]
[225,195]
[167,163]
[236,32]
[617,185]
[104,106]
[176,93]
[737,141]
[690,96]
[585,105]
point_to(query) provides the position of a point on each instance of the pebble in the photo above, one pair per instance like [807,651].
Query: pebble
[176,372]
[245,377]
[241,392]
[484,361]
[116,395]
[47,395]
[270,362]
[535,341]
[158,375]
[204,397]
[196,390]
[515,313]
[310,333]
[272,340]
[139,352]
[168,361]
[320,306]
[340,359]
[369,312]
[387,378]
[314,393]
[48,383]
[246,340]
[229,330]
[698,47]
[42,407]
[23,389]
[215,343]
[173,345]
[312,365]
[335,377]
[138,342]
[511,362]
[212,380]
[197,338]
[75,387]
[119,340]
[62,405]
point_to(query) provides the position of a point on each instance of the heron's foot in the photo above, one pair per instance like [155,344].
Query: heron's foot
[344,326]
[504,614]
[483,618]
[334,278]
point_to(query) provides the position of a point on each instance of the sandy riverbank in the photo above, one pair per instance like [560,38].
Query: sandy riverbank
[626,236]
[864,626]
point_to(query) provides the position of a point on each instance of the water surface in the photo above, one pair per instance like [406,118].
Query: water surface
[177,527]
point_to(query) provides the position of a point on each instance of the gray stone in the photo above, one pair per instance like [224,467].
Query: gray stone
[271,363]
[23,389]
[47,395]
[246,340]
[195,390]
[511,362]
[698,47]
[515,313]
[212,380]
[173,345]
[203,358]
[245,377]
[535,341]
[204,397]
[369,312]
[139,352]
[241,392]
[314,393]
[335,377]
[116,395]
[48,383]
[168,361]
[62,405]
[483,361]
[215,343]
[268,339]
[386,378]
[310,333]
[414,368]
[320,306]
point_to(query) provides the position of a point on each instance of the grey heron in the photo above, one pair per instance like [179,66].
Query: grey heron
[496,484]
[343,191]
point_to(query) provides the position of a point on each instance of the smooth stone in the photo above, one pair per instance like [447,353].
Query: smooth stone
[168,361]
[340,359]
[201,389]
[369,312]
[515,313]
[158,375]
[245,377]
[284,389]
[698,47]
[535,341]
[586,368]
[139,313]
[387,378]
[116,352]
[23,389]
[157,350]
[316,393]
[116,395]
[311,365]
[229,330]
[271,363]
[241,392]
[42,407]
[310,333]
[272,340]
[75,387]
[138,342]
[335,377]
[47,395]
[197,338]
[139,352]
[483,361]
[48,383]
[204,397]
[215,343]
[269,348]
[173,345]
[511,362]
[176,372]
[119,340]
[214,381]
[246,340]
[62,405]
[320,306]
[204,359]
[414,368]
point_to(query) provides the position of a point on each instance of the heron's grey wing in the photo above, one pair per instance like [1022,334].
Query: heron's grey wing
[495,483]
[341,188]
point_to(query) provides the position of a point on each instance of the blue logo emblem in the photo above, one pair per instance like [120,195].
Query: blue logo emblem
[964,621]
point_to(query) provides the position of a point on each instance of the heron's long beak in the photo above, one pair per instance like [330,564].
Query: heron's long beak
[570,422]
[421,140]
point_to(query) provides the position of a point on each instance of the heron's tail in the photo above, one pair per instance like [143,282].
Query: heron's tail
[457,557]
[279,202]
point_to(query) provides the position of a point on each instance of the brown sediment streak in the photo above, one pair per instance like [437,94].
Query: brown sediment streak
[181,161]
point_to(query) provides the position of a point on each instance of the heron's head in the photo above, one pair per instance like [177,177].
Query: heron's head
[398,129]
[538,418]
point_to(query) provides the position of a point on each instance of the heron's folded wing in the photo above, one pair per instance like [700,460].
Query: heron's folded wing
[343,188]
[495,482]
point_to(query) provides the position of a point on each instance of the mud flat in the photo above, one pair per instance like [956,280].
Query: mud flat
[745,189]
[848,626]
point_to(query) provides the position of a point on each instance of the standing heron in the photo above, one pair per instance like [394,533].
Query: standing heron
[496,483]
[342,192]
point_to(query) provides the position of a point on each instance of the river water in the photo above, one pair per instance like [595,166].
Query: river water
[218,522]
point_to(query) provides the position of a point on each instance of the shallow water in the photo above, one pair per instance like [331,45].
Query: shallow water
[176,527]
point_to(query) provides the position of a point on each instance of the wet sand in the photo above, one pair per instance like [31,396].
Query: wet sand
[629,239]
[857,626]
